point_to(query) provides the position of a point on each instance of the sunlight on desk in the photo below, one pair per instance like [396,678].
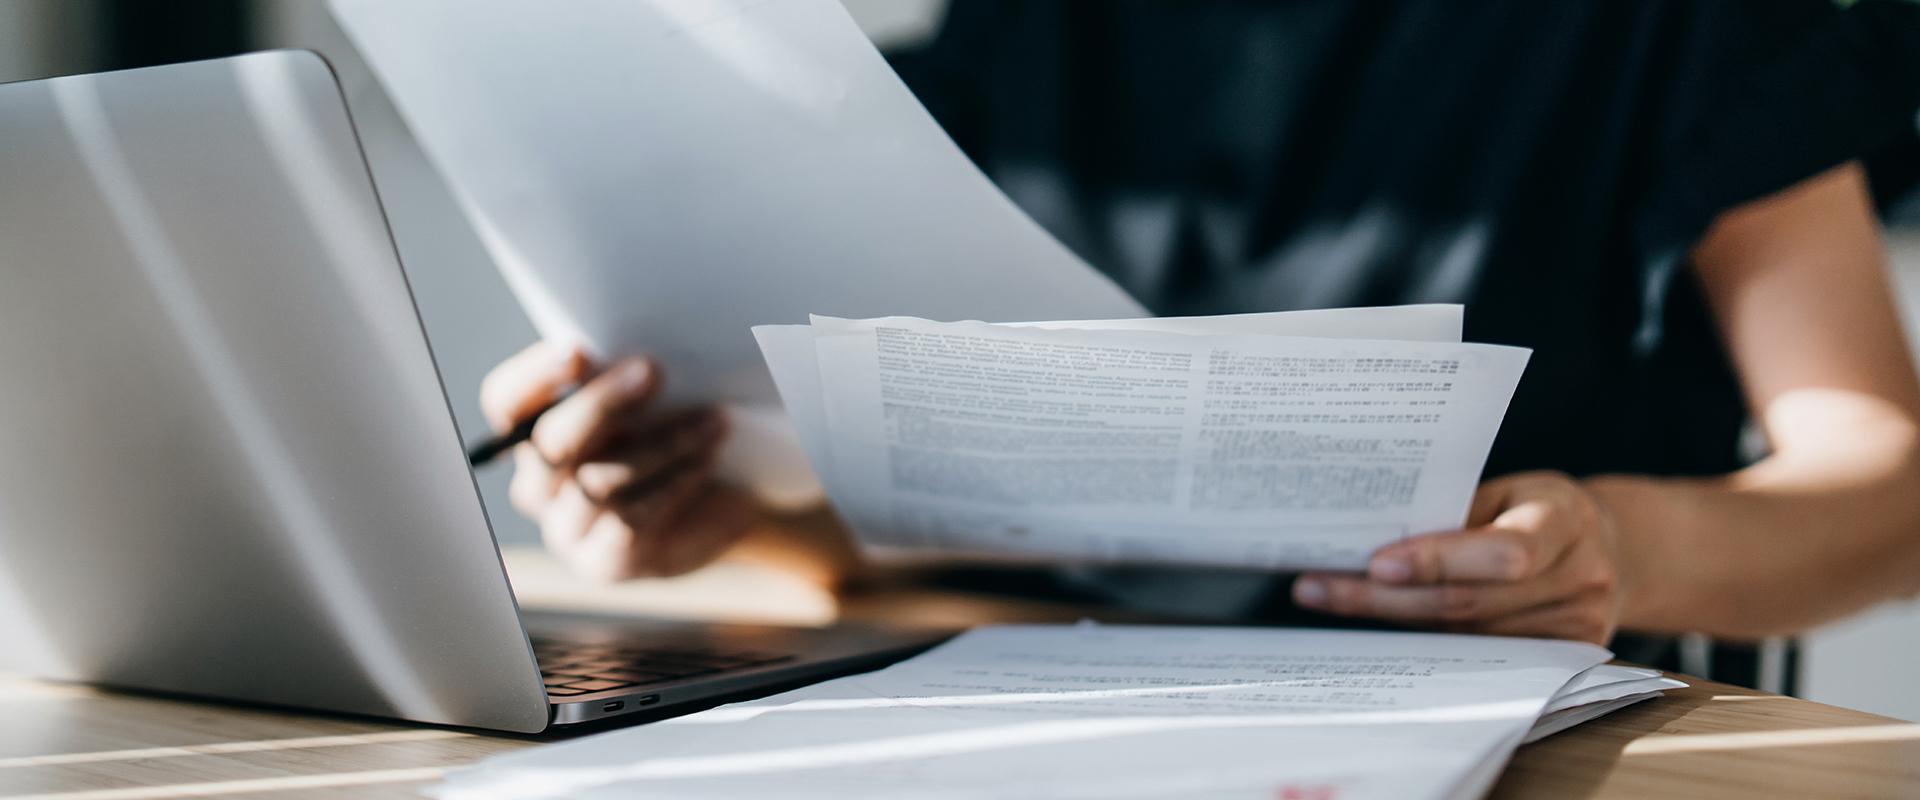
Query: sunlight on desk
[224,748]
[714,594]
[65,742]
[16,689]
[1747,740]
[341,780]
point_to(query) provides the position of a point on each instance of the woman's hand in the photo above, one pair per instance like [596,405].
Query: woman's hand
[620,489]
[1539,557]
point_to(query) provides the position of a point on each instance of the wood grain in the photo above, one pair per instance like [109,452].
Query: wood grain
[1708,741]
[1713,741]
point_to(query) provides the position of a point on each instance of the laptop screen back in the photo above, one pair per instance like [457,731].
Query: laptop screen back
[227,465]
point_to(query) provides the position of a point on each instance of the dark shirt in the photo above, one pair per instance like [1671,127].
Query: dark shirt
[1547,164]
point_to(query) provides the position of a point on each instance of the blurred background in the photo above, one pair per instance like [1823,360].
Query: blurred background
[474,323]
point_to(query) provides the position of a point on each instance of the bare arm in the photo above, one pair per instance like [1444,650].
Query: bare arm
[1829,522]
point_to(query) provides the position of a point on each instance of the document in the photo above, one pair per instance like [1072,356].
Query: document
[1096,711]
[660,175]
[1597,692]
[1250,442]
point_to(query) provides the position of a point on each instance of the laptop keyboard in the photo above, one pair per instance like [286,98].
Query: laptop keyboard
[573,668]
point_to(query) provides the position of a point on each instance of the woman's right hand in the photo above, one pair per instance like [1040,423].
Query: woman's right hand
[620,489]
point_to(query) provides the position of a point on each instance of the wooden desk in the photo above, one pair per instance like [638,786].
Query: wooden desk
[76,743]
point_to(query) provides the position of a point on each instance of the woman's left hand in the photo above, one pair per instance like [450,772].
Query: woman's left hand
[1539,557]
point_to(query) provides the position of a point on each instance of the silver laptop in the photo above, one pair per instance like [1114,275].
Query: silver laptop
[228,466]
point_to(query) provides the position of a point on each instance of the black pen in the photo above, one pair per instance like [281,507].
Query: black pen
[493,447]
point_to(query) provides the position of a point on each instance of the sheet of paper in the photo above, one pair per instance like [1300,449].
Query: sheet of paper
[660,175]
[1567,718]
[1609,682]
[1093,711]
[1127,446]
[1434,322]
[789,351]
[1598,692]
[1566,710]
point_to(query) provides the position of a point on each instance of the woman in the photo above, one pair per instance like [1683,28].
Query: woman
[1641,191]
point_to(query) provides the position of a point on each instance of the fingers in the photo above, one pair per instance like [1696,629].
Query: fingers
[632,539]
[632,465]
[1509,550]
[595,540]
[652,532]
[1584,622]
[1521,532]
[598,411]
[530,381]
[715,521]
[664,524]
[1575,598]
[608,550]
[535,482]
[1350,595]
[616,495]
[1540,563]
[1490,498]
[565,519]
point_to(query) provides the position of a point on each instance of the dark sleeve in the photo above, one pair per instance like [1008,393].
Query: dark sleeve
[1888,34]
[1769,94]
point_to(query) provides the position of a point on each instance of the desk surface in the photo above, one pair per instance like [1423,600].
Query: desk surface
[1707,741]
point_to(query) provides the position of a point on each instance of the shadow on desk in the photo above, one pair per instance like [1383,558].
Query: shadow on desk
[1714,740]
[1577,767]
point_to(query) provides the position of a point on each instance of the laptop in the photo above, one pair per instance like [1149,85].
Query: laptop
[228,465]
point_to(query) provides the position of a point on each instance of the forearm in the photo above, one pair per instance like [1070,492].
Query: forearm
[1830,522]
[1787,544]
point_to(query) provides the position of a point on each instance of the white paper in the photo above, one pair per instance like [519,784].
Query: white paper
[1435,322]
[1598,692]
[1609,682]
[1094,711]
[1566,718]
[789,351]
[659,175]
[1146,441]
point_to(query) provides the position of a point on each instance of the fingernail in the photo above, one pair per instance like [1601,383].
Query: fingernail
[1309,592]
[634,375]
[1391,569]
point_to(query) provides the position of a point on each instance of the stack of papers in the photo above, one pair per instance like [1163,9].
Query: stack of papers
[1112,711]
[1598,692]
[1302,440]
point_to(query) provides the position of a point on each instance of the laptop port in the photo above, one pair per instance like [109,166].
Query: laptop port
[614,706]
[647,700]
